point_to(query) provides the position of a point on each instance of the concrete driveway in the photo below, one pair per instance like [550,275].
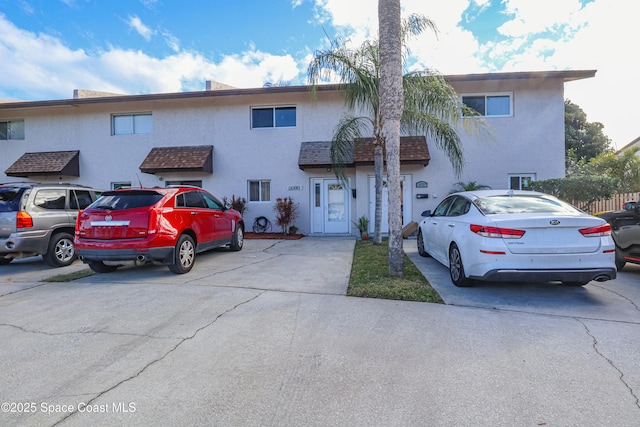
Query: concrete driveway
[615,300]
[266,337]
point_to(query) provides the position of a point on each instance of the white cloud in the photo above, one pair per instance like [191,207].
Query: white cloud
[149,3]
[601,35]
[254,68]
[172,41]
[41,67]
[536,16]
[136,23]
[26,7]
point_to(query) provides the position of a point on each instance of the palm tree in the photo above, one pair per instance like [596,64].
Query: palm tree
[469,186]
[391,103]
[431,105]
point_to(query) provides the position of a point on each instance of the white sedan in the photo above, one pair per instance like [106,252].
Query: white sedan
[517,236]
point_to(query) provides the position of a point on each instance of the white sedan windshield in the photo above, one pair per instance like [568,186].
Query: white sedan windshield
[521,204]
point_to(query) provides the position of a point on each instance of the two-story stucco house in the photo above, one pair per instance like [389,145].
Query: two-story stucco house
[273,142]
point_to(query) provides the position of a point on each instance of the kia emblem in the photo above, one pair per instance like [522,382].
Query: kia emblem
[554,222]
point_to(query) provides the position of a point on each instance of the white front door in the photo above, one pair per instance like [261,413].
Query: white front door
[405,194]
[330,206]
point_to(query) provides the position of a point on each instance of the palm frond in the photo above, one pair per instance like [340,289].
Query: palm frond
[349,129]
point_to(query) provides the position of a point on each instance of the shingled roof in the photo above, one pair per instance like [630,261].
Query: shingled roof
[413,150]
[317,154]
[179,159]
[61,163]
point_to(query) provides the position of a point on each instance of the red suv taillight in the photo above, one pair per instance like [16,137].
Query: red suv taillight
[598,231]
[23,220]
[154,218]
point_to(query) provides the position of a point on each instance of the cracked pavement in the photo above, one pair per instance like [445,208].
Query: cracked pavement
[267,337]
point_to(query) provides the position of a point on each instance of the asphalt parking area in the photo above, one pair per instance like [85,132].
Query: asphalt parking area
[143,347]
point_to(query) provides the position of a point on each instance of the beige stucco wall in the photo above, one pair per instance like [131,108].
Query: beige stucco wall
[532,141]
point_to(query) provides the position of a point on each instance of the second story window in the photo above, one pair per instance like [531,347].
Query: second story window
[489,105]
[12,130]
[130,124]
[273,117]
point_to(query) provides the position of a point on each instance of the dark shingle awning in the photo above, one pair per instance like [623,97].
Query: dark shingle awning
[179,159]
[413,150]
[61,163]
[316,154]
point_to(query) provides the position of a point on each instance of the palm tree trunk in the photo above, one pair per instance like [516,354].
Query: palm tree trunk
[391,102]
[378,166]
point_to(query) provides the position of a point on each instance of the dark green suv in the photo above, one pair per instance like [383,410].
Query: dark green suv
[39,219]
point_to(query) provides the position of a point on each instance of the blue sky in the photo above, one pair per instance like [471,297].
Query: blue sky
[51,47]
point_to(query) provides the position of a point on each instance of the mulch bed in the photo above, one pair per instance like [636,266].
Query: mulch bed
[272,236]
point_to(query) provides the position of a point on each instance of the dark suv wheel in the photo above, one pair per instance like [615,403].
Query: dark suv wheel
[185,255]
[61,252]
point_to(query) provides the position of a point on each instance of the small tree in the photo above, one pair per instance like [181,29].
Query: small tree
[624,166]
[469,186]
[586,140]
[582,191]
[239,204]
[286,213]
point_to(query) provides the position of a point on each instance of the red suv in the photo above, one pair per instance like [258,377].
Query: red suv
[164,225]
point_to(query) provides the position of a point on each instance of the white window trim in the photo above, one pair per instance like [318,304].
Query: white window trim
[273,107]
[10,136]
[249,181]
[486,94]
[520,176]
[120,184]
[140,113]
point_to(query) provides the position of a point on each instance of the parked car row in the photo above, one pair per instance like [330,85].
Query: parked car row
[129,226]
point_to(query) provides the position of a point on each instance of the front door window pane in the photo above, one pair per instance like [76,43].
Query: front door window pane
[336,203]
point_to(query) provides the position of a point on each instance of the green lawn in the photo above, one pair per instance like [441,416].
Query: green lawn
[70,276]
[370,276]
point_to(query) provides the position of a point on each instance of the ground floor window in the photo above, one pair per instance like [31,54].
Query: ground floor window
[259,190]
[189,183]
[120,184]
[521,181]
